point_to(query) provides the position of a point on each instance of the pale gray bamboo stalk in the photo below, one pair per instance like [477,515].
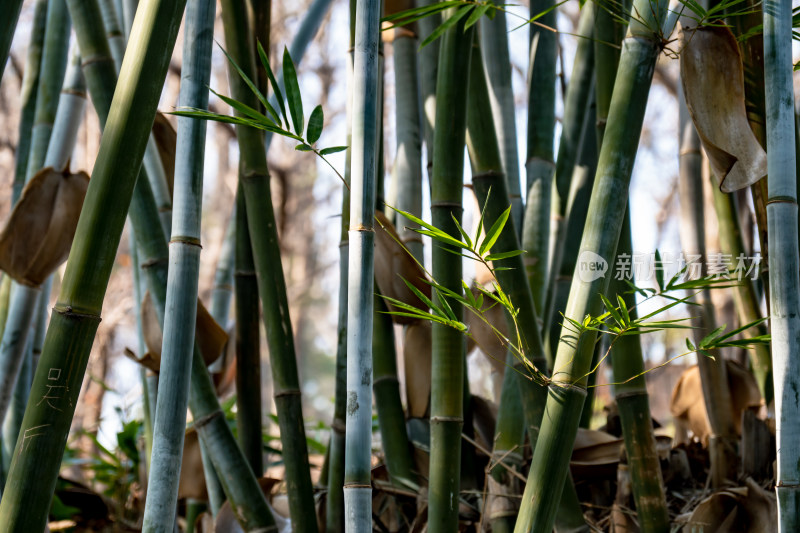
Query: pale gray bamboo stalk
[182,283]
[784,264]
[358,438]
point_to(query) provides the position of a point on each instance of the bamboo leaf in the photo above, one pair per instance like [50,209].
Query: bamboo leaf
[315,125]
[332,150]
[246,79]
[275,87]
[303,148]
[503,255]
[476,14]
[293,97]
[447,24]
[494,232]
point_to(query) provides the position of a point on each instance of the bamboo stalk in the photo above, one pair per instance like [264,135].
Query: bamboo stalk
[30,88]
[448,361]
[248,343]
[54,152]
[606,210]
[334,515]
[182,284]
[407,172]
[391,418]
[222,293]
[576,102]
[630,393]
[429,69]
[75,318]
[54,64]
[487,176]
[497,66]
[112,22]
[713,374]
[747,300]
[363,180]
[8,24]
[784,264]
[539,163]
[271,283]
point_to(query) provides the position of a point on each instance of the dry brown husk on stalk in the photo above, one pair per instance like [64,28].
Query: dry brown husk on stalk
[713,85]
[393,264]
[688,406]
[485,338]
[167,141]
[748,509]
[209,335]
[417,363]
[38,235]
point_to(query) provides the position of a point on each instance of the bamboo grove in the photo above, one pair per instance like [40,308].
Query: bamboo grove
[499,352]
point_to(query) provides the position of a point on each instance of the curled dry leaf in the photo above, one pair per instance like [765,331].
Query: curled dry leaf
[713,85]
[167,141]
[748,509]
[688,406]
[209,335]
[393,264]
[38,235]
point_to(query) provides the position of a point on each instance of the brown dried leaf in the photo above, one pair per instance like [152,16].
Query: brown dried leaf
[688,406]
[748,509]
[393,264]
[192,482]
[713,85]
[38,235]
[209,335]
[485,338]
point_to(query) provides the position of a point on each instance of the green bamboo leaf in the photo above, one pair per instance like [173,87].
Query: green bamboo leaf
[293,97]
[659,272]
[611,309]
[243,108]
[332,150]
[442,237]
[624,310]
[246,79]
[476,14]
[447,24]
[711,337]
[275,87]
[742,328]
[315,121]
[503,255]
[303,148]
[461,231]
[494,232]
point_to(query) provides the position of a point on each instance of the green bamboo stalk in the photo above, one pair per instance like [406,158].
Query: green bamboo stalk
[222,293]
[630,393]
[497,66]
[75,318]
[487,175]
[54,63]
[391,418]
[626,355]
[447,366]
[182,284]
[11,9]
[713,374]
[364,177]
[30,88]
[784,264]
[576,102]
[606,210]
[271,283]
[407,172]
[429,68]
[238,481]
[746,297]
[334,515]
[57,151]
[539,164]
[248,344]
